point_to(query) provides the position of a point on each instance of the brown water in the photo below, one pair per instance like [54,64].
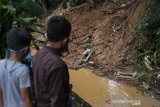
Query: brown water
[101,92]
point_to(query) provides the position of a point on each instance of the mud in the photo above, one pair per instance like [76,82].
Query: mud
[107,29]
[102,92]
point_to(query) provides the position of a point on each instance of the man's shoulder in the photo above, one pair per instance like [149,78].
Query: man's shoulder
[21,69]
[42,50]
[18,66]
[56,62]
[40,54]
[47,55]
[24,67]
[2,61]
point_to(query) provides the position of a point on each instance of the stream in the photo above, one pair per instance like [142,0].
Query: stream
[102,92]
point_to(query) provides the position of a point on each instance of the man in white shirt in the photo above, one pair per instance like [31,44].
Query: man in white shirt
[14,76]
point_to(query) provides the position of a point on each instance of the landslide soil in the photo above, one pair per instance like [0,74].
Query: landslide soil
[106,28]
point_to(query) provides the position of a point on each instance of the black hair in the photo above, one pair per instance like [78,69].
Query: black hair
[58,28]
[18,38]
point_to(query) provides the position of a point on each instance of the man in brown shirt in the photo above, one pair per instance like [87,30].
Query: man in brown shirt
[50,72]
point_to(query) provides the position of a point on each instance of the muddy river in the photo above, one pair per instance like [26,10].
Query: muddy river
[101,92]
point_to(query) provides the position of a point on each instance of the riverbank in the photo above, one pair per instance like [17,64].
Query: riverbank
[106,29]
[102,92]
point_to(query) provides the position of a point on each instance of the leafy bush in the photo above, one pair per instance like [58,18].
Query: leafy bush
[24,12]
[147,36]
[147,42]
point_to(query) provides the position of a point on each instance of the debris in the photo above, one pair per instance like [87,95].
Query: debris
[123,5]
[87,51]
[115,29]
[91,63]
[140,88]
[147,63]
[145,93]
[145,85]
[86,40]
[78,63]
[86,55]
[155,94]
[108,12]
[115,1]
[122,75]
[158,77]
[111,40]
[85,45]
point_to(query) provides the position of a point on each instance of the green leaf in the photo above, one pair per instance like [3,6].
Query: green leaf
[26,21]
[10,9]
[158,31]
[34,8]
[76,2]
[35,28]
[140,75]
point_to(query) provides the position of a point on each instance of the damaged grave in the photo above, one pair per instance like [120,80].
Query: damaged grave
[86,55]
[79,63]
[125,76]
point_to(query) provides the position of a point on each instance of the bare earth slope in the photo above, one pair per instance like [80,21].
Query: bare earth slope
[107,28]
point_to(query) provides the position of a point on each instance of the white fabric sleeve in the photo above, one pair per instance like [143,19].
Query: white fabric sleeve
[24,79]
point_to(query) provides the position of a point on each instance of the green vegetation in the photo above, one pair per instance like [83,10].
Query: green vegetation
[24,12]
[147,43]
[76,2]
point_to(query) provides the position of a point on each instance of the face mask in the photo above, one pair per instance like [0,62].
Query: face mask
[28,56]
[26,59]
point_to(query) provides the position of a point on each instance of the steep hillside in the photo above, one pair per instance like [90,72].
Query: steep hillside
[107,29]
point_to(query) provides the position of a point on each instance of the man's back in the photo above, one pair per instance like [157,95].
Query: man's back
[51,78]
[13,76]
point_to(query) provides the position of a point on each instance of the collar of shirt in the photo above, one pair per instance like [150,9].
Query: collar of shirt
[55,50]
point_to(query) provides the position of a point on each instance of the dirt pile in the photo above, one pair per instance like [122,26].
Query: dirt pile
[107,29]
